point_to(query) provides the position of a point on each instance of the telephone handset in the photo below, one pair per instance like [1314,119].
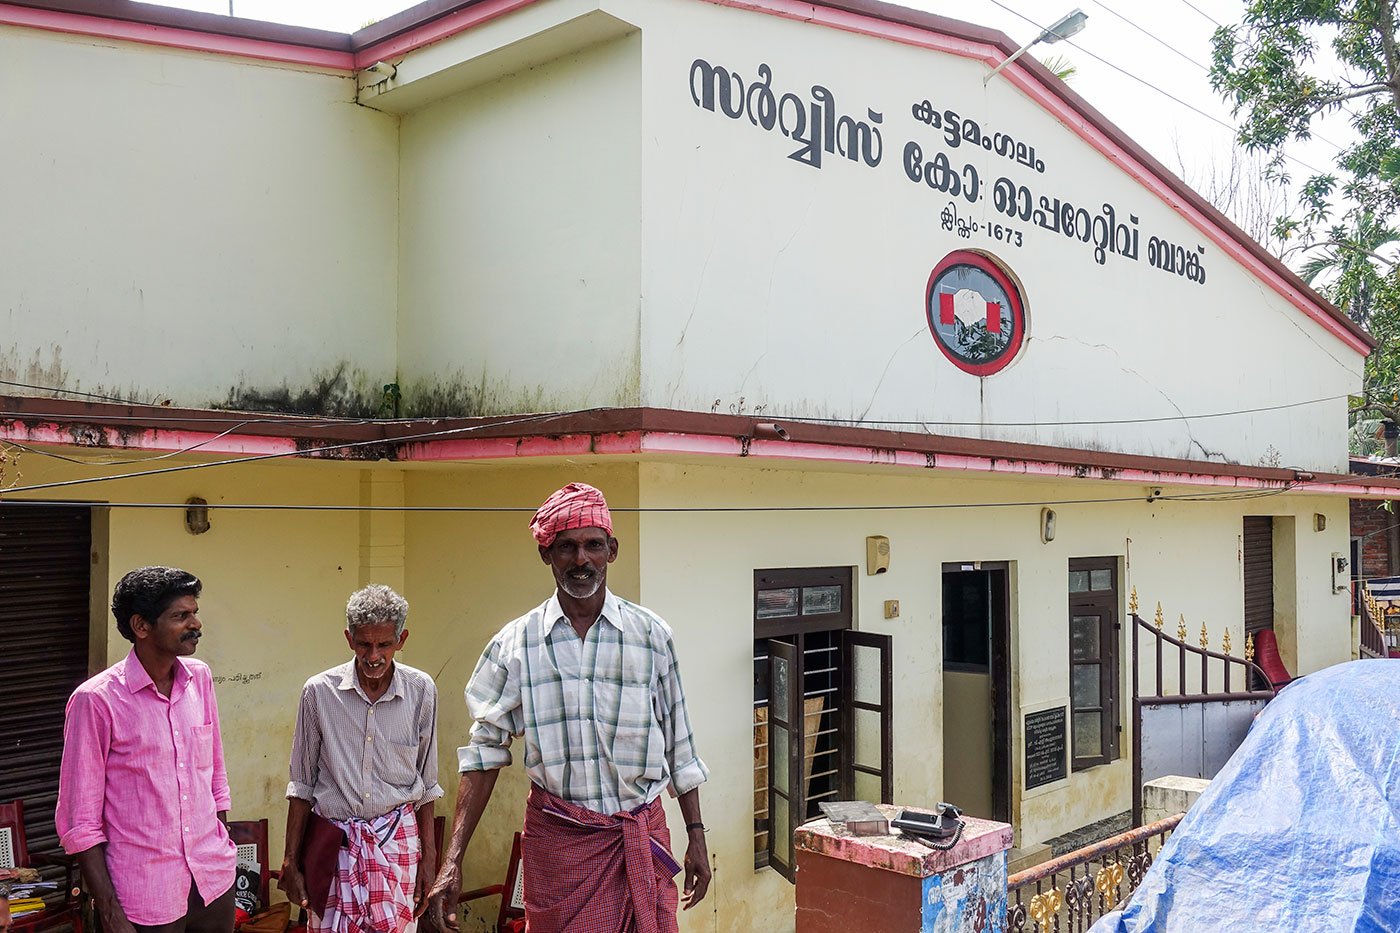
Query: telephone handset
[940,829]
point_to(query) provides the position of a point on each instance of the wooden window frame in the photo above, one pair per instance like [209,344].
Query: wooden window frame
[1106,604]
[792,652]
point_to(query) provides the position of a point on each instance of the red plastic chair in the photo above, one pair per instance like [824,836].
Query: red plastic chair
[1267,657]
[14,849]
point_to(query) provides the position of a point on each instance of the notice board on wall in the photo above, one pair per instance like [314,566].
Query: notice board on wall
[1045,747]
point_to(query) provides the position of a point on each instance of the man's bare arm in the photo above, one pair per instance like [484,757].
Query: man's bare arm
[697,854]
[473,793]
[93,863]
[427,864]
[292,883]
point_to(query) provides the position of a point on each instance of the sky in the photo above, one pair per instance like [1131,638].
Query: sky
[1142,64]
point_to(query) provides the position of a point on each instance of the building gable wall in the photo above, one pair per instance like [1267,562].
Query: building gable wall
[799,287]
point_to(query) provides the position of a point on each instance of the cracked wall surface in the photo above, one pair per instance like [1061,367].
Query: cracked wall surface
[799,291]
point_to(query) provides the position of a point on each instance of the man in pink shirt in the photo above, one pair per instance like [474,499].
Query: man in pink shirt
[142,793]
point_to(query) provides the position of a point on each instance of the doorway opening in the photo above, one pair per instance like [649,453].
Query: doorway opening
[977,688]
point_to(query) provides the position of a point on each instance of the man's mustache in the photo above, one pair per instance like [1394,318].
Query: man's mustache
[191,636]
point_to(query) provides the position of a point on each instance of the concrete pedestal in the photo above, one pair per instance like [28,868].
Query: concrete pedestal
[896,885]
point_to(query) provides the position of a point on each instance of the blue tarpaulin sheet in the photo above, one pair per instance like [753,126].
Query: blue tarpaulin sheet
[1301,829]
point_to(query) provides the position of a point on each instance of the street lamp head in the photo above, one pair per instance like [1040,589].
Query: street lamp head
[1062,28]
[1066,26]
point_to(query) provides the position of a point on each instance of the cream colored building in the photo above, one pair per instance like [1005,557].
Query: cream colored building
[804,295]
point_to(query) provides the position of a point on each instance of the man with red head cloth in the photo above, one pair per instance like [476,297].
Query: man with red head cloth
[591,683]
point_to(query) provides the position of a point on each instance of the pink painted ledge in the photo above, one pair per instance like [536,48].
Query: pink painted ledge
[900,854]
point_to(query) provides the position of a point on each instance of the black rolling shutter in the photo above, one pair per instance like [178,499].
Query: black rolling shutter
[45,579]
[1258,573]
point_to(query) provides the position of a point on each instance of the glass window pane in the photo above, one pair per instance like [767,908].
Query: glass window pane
[867,738]
[1088,735]
[867,674]
[778,760]
[780,693]
[1085,685]
[777,604]
[1100,580]
[1084,638]
[820,600]
[1079,581]
[868,787]
[782,831]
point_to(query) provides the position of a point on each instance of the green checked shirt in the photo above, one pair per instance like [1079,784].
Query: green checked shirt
[604,718]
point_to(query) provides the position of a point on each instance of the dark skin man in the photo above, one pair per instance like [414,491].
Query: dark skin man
[159,644]
[579,559]
[374,647]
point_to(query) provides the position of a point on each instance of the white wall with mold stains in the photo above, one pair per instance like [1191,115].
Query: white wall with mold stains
[182,225]
[521,231]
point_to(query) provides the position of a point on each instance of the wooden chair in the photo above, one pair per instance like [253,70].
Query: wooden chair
[14,853]
[511,917]
[250,836]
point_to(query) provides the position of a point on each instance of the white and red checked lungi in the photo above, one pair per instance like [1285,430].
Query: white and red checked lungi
[373,888]
[590,873]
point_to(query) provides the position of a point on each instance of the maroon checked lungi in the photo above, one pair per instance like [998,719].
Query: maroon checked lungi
[586,872]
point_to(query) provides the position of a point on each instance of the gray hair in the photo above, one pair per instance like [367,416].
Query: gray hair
[376,604]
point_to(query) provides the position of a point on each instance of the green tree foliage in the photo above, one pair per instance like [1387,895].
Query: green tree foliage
[1284,66]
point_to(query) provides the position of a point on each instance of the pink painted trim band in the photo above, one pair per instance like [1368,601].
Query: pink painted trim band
[660,443]
[437,30]
[98,439]
[1033,88]
[84,25]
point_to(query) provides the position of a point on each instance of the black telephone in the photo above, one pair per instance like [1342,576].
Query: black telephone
[940,829]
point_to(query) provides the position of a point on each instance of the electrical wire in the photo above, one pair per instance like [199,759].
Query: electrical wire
[691,509]
[1148,84]
[1153,36]
[114,461]
[256,458]
[1053,424]
[298,421]
[1193,6]
[1335,145]
[104,398]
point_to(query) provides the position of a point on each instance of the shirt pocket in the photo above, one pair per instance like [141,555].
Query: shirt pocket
[202,740]
[399,764]
[628,730]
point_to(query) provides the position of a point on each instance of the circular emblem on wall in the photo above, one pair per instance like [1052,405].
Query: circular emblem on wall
[975,313]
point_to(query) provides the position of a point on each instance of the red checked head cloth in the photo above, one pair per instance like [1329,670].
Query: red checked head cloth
[577,505]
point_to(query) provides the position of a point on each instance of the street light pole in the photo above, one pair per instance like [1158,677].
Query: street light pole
[1062,28]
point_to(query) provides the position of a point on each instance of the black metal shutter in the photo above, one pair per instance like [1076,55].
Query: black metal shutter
[45,579]
[1258,573]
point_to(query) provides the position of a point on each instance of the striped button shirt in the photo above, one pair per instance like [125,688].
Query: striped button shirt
[355,759]
[604,717]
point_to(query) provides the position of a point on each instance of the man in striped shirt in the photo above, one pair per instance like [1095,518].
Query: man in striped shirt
[364,755]
[591,682]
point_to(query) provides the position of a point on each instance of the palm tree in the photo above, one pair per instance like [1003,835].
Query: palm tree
[1350,270]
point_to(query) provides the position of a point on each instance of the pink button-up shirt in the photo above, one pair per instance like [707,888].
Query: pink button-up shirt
[145,775]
